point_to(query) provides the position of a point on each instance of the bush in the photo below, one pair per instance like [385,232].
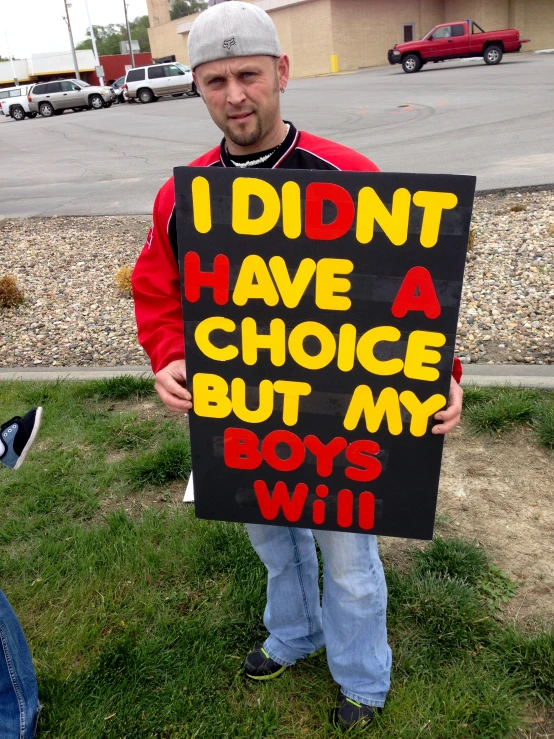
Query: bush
[123,280]
[10,293]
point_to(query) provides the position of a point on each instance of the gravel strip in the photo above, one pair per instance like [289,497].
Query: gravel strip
[74,315]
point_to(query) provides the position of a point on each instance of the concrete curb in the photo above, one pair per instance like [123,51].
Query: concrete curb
[509,375]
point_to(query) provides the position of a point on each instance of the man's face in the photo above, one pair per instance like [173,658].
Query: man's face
[242,95]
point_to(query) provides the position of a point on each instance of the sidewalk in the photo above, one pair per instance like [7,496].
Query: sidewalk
[514,375]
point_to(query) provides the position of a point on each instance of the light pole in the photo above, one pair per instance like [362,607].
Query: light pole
[15,80]
[129,34]
[66,19]
[93,42]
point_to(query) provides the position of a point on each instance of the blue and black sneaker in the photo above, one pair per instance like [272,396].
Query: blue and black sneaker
[17,436]
[258,665]
[348,713]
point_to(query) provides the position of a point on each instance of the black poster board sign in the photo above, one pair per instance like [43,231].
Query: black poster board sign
[320,317]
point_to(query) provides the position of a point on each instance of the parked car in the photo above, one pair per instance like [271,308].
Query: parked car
[119,90]
[456,41]
[157,80]
[14,103]
[52,98]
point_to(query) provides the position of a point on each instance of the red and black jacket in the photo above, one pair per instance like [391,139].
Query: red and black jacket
[156,282]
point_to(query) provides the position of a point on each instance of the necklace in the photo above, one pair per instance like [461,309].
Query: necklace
[262,159]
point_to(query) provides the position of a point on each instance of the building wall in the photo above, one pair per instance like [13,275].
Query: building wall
[491,15]
[165,41]
[364,30]
[311,38]
[537,23]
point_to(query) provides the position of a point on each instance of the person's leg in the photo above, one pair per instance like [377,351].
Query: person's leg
[354,616]
[293,613]
[18,685]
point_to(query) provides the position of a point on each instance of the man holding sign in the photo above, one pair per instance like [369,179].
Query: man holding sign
[239,71]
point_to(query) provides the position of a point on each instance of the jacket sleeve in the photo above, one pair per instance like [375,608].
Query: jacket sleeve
[157,291]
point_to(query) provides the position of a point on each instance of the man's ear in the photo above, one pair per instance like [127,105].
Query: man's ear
[283,70]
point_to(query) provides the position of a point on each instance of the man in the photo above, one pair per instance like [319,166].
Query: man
[239,71]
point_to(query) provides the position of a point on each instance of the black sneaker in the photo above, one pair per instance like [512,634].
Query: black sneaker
[349,713]
[18,435]
[258,665]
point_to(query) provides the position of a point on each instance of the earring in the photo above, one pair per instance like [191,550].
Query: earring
[283,89]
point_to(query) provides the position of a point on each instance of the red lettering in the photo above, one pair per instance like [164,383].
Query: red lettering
[366,511]
[218,280]
[417,292]
[240,449]
[271,503]
[316,194]
[359,453]
[345,507]
[325,453]
[296,447]
[318,514]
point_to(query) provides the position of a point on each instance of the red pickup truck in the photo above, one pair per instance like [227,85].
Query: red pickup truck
[455,41]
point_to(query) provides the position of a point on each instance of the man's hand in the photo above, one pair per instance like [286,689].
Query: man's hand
[450,417]
[171,384]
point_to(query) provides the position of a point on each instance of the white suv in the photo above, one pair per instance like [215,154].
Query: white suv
[14,103]
[156,80]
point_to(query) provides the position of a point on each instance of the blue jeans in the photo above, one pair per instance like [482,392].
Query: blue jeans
[18,685]
[350,622]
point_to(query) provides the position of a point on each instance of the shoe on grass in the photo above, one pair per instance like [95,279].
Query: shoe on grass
[349,713]
[258,665]
[17,436]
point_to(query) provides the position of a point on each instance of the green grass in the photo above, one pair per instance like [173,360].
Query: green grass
[495,410]
[138,617]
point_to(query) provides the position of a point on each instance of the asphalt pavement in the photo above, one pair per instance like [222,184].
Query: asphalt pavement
[459,117]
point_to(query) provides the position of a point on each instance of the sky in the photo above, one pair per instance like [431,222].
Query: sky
[37,26]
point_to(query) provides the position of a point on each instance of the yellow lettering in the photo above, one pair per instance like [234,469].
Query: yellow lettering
[347,347]
[202,338]
[292,391]
[367,344]
[274,341]
[201,206]
[325,337]
[362,403]
[291,291]
[210,393]
[371,209]
[433,204]
[327,284]
[421,412]
[254,282]
[243,189]
[265,404]
[292,211]
[417,355]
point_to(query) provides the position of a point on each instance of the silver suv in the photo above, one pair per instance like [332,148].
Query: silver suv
[52,98]
[156,80]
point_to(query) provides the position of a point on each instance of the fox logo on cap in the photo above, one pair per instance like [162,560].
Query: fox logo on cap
[228,43]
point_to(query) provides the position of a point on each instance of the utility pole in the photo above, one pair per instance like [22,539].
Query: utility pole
[129,34]
[15,80]
[93,39]
[66,19]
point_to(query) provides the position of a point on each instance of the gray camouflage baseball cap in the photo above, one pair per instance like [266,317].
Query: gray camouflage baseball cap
[232,29]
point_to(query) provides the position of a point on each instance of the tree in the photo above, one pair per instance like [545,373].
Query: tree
[108,37]
[180,8]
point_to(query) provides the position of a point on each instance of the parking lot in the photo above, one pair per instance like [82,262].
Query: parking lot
[455,117]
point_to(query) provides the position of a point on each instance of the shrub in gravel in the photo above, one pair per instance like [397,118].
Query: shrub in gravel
[10,293]
[123,279]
